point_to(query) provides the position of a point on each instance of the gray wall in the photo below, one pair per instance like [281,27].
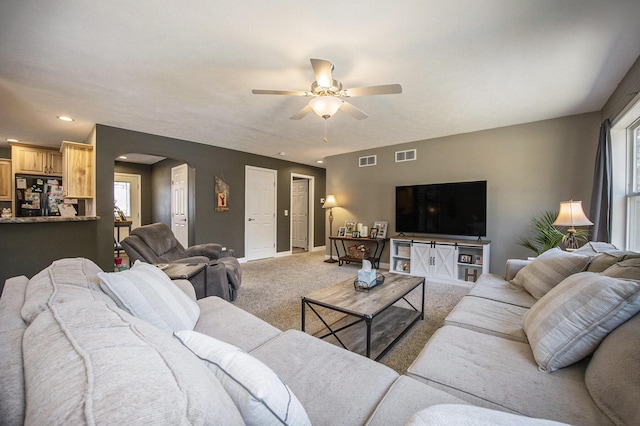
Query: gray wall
[26,249]
[207,162]
[529,168]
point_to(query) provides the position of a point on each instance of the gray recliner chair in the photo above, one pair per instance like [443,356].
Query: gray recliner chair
[156,243]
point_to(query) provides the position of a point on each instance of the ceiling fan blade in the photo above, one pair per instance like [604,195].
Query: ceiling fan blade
[386,89]
[322,70]
[353,111]
[279,92]
[304,111]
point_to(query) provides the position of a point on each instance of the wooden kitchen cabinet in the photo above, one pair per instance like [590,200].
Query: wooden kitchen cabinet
[78,172]
[6,178]
[34,160]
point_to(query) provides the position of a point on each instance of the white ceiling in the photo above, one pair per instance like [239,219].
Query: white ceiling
[185,69]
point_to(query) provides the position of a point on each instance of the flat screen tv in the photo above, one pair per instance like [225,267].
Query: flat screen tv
[456,209]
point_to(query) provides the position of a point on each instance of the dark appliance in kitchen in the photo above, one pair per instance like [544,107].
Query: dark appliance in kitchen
[38,195]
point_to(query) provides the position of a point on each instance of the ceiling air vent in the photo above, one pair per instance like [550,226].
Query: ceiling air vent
[408,155]
[367,161]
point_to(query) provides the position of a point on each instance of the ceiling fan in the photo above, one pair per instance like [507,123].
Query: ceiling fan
[327,93]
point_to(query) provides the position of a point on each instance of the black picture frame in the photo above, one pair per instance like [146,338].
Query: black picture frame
[465,258]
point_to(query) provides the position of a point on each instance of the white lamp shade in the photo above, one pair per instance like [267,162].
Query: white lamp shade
[571,214]
[325,106]
[330,202]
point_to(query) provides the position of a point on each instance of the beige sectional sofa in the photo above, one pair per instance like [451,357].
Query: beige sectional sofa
[483,355]
[78,346]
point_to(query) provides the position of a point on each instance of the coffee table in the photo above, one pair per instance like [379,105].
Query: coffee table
[373,322]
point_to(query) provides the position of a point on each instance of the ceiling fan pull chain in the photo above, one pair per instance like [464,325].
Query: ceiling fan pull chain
[325,131]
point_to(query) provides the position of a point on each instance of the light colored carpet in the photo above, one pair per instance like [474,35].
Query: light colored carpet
[272,290]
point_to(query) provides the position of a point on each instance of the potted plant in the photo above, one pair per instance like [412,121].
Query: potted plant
[545,235]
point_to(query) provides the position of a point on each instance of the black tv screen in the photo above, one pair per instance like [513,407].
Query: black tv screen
[457,209]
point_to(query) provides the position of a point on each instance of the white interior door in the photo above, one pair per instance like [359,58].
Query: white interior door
[180,203]
[260,213]
[300,213]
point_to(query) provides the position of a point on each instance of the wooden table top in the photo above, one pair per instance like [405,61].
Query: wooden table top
[347,299]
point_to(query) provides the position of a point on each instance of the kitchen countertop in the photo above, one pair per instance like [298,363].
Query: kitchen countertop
[47,219]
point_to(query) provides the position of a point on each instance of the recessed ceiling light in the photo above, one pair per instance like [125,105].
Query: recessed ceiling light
[282,153]
[123,157]
[12,140]
[64,118]
[320,162]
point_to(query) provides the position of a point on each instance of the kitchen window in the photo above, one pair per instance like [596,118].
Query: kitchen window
[122,197]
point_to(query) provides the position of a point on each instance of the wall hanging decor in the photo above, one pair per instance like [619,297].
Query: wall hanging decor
[222,195]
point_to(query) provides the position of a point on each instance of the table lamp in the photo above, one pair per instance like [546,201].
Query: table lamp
[571,215]
[330,203]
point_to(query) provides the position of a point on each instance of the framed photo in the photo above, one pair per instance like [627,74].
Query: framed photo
[382,228]
[464,258]
[355,234]
[342,231]
[477,259]
[350,226]
[373,233]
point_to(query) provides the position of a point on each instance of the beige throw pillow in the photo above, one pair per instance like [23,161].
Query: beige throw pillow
[261,396]
[570,321]
[147,293]
[548,270]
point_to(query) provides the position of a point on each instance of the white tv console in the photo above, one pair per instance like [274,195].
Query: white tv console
[444,258]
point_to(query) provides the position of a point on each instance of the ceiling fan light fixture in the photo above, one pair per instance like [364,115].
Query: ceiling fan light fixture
[325,106]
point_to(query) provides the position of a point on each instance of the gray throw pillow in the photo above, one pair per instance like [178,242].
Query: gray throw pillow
[570,321]
[548,270]
[601,261]
[147,293]
[629,268]
[613,374]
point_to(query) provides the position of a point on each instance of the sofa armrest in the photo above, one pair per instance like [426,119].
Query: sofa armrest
[187,287]
[211,250]
[513,266]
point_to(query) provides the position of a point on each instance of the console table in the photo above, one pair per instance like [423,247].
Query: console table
[374,257]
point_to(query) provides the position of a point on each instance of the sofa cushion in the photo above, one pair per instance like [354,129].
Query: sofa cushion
[334,386]
[262,397]
[570,321]
[225,321]
[629,268]
[405,397]
[146,292]
[502,374]
[64,280]
[613,374]
[454,414]
[91,363]
[548,270]
[495,287]
[488,316]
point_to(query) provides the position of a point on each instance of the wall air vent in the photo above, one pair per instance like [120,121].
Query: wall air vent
[369,160]
[408,155]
